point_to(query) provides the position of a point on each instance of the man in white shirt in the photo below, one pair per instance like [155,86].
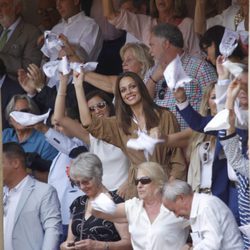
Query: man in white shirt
[32,219]
[81,31]
[212,223]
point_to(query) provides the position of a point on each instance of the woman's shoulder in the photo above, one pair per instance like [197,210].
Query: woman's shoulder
[79,201]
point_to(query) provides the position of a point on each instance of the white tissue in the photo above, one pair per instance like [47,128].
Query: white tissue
[234,68]
[219,122]
[175,75]
[104,204]
[90,66]
[144,142]
[52,45]
[28,119]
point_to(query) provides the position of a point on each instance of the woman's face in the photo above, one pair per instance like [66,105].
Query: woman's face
[164,5]
[89,186]
[211,53]
[130,63]
[145,191]
[129,91]
[98,107]
[211,102]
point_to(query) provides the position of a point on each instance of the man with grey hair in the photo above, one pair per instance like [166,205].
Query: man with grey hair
[212,223]
[18,39]
[166,43]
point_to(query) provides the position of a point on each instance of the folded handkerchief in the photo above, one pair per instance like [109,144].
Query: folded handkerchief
[52,45]
[28,119]
[175,75]
[229,42]
[104,204]
[234,68]
[90,66]
[52,68]
[245,230]
[144,142]
[219,122]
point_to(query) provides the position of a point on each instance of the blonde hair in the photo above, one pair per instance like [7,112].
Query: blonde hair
[141,53]
[155,172]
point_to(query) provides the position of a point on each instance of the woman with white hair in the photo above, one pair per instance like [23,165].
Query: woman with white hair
[85,230]
[151,225]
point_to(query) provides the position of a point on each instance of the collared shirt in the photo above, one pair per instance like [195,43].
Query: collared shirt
[12,27]
[81,31]
[11,199]
[213,225]
[34,143]
[2,80]
[166,232]
[202,74]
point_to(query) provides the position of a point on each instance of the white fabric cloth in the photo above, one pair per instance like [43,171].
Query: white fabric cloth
[175,75]
[57,174]
[104,204]
[12,197]
[115,164]
[144,142]
[166,232]
[245,230]
[213,225]
[82,31]
[219,122]
[234,68]
[28,119]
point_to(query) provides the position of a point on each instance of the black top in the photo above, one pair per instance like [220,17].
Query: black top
[92,228]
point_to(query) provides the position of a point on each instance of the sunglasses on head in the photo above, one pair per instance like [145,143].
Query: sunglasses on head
[99,105]
[162,91]
[143,180]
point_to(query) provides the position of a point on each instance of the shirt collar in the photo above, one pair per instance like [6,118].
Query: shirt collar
[13,25]
[2,80]
[19,186]
[73,18]
[195,206]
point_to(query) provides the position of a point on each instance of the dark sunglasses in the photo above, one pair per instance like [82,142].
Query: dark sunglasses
[100,105]
[162,91]
[24,110]
[143,180]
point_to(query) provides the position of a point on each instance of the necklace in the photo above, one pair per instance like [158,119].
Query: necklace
[238,18]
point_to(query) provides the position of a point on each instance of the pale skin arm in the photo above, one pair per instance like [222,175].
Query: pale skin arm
[106,83]
[109,10]
[70,240]
[73,126]
[200,17]
[179,139]
[85,115]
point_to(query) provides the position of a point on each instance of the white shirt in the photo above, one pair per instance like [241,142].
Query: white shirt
[213,225]
[114,162]
[11,199]
[166,232]
[57,174]
[82,31]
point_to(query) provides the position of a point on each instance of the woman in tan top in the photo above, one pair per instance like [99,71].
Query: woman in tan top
[135,113]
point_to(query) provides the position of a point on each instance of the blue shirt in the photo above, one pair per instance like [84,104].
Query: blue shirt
[35,143]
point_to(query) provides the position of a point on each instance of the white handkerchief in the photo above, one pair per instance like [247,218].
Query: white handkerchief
[245,230]
[104,204]
[234,68]
[220,121]
[52,68]
[175,75]
[52,45]
[90,66]
[28,119]
[229,42]
[144,142]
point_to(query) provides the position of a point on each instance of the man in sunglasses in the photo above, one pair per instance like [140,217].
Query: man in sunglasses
[212,223]
[166,43]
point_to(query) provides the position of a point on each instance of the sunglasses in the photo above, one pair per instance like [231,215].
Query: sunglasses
[162,91]
[99,105]
[26,110]
[143,180]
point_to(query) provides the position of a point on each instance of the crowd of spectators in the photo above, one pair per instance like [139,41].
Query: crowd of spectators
[148,149]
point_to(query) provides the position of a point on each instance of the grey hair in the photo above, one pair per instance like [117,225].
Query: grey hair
[174,188]
[170,32]
[32,107]
[87,166]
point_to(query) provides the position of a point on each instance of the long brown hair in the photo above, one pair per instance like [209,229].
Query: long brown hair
[124,112]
